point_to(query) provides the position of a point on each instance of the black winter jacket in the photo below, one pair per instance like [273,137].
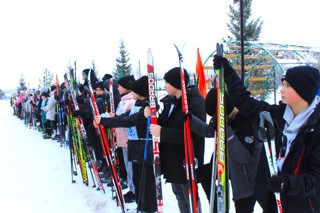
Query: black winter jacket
[243,156]
[138,121]
[302,164]
[171,136]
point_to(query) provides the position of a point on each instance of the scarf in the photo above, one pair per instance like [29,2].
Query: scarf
[292,127]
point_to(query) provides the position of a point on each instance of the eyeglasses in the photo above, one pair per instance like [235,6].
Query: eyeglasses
[283,148]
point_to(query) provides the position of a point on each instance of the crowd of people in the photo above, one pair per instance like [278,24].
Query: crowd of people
[37,109]
[124,111]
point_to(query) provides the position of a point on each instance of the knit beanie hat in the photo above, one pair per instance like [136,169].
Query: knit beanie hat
[140,86]
[44,89]
[211,102]
[106,77]
[173,77]
[62,86]
[45,94]
[126,81]
[53,87]
[85,72]
[99,85]
[305,80]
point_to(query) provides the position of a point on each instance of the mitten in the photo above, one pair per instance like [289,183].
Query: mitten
[183,116]
[279,184]
[219,61]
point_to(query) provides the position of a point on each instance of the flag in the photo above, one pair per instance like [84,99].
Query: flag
[202,84]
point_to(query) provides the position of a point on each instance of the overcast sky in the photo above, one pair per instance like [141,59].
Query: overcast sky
[39,34]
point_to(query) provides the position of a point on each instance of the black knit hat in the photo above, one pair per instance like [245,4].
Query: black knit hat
[99,85]
[140,86]
[93,78]
[86,72]
[53,87]
[126,81]
[305,80]
[62,86]
[106,77]
[45,94]
[173,77]
[211,102]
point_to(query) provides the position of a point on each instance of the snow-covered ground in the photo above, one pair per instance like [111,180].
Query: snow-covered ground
[36,176]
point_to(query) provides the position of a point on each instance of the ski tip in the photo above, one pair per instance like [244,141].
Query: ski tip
[219,48]
[176,47]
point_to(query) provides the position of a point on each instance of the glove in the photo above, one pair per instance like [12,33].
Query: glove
[279,184]
[219,61]
[76,113]
[184,117]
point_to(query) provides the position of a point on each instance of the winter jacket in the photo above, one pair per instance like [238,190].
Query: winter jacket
[243,152]
[50,108]
[44,103]
[20,99]
[302,164]
[172,135]
[124,106]
[101,103]
[136,125]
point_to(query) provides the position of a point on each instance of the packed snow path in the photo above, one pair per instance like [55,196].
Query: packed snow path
[36,176]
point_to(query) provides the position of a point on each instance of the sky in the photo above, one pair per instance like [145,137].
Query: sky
[39,34]
[36,176]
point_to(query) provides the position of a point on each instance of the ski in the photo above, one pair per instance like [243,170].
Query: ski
[84,138]
[188,146]
[266,130]
[76,134]
[155,140]
[106,149]
[112,131]
[222,151]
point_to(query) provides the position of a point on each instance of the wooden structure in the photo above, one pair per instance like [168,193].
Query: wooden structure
[265,63]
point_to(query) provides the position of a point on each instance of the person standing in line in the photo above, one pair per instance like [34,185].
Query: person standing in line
[13,103]
[50,110]
[297,134]
[19,103]
[170,129]
[136,124]
[112,136]
[125,104]
[44,102]
[243,151]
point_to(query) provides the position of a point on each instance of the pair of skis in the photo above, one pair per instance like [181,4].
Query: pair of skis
[155,140]
[79,135]
[188,145]
[106,150]
[220,153]
[221,172]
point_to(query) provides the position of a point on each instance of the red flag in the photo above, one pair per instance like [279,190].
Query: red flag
[202,84]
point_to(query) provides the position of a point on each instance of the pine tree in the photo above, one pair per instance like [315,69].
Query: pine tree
[22,84]
[252,28]
[46,79]
[123,67]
